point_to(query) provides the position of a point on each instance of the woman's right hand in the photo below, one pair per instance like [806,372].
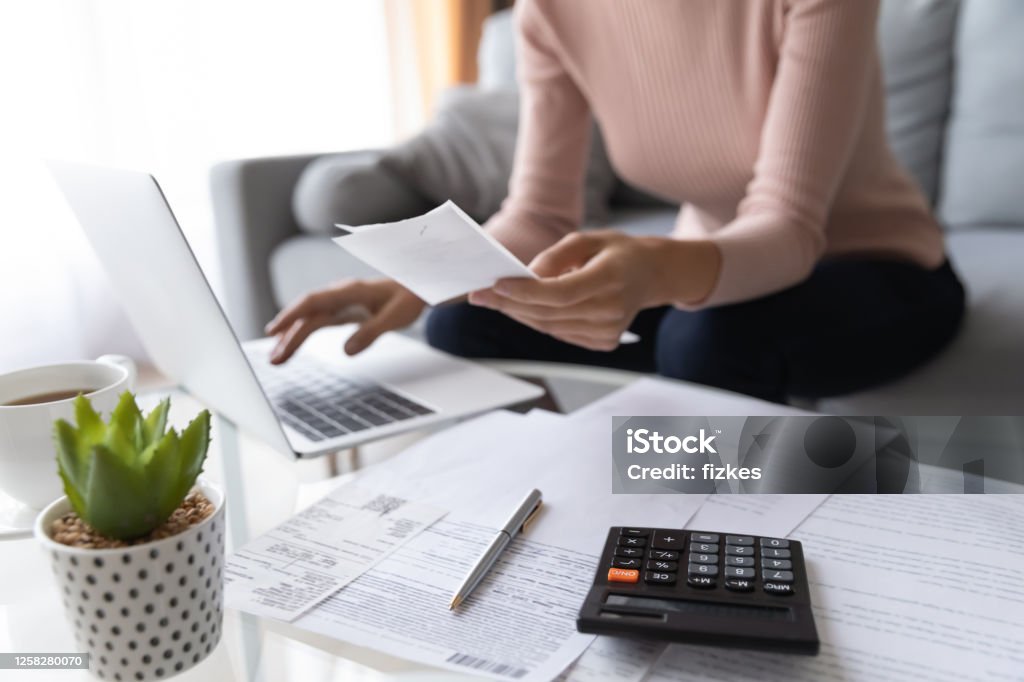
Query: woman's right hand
[379,305]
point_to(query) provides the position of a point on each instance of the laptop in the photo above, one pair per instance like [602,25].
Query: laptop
[321,400]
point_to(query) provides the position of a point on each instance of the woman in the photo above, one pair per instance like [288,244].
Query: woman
[805,262]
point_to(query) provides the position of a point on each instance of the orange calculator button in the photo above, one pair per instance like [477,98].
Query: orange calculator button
[623,575]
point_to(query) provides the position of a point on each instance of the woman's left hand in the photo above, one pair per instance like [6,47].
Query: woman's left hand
[592,286]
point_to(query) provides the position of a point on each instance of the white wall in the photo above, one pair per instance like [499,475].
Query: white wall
[169,87]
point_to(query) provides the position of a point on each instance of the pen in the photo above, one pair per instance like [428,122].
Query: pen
[523,514]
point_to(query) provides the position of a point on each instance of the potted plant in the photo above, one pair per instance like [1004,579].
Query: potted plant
[136,544]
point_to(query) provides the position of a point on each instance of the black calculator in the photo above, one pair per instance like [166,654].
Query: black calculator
[699,587]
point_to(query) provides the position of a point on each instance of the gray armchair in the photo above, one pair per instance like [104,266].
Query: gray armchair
[252,206]
[957,130]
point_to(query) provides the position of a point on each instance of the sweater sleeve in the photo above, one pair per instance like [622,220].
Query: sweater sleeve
[815,111]
[545,200]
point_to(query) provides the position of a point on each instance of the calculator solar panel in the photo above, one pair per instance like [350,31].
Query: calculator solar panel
[701,587]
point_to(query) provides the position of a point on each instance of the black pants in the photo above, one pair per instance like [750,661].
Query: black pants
[851,325]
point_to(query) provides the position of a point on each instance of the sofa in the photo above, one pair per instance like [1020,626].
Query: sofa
[954,80]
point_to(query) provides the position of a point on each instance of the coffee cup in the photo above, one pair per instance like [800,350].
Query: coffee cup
[31,400]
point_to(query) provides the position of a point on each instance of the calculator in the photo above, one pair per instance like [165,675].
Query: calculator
[699,587]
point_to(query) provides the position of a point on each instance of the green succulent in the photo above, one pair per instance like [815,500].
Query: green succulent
[126,477]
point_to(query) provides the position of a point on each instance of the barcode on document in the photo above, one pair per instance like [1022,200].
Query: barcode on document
[475,663]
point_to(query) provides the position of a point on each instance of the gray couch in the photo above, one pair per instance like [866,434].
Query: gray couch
[955,91]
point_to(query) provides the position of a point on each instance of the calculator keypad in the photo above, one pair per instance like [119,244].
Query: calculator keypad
[740,563]
[704,588]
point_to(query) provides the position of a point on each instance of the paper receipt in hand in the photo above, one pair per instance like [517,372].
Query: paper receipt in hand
[438,256]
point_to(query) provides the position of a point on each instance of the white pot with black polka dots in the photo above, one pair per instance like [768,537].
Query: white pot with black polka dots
[145,612]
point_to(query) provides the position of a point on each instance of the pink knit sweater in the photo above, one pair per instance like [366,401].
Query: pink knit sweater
[764,118]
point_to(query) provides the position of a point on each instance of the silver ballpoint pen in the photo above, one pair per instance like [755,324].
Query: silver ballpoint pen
[523,514]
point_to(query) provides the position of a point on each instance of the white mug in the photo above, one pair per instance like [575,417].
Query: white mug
[28,457]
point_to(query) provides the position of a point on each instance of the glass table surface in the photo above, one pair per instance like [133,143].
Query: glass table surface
[263,489]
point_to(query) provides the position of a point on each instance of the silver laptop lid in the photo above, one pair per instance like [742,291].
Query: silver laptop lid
[134,233]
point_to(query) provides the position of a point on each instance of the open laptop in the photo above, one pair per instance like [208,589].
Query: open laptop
[321,400]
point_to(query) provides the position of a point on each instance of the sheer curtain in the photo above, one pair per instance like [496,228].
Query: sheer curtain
[171,88]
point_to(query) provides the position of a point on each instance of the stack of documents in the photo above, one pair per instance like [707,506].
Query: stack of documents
[904,587]
[520,622]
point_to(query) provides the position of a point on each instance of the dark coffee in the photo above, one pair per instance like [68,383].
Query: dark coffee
[52,397]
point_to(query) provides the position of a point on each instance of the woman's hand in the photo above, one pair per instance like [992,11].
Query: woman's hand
[593,284]
[379,305]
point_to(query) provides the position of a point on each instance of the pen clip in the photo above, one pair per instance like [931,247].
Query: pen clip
[532,516]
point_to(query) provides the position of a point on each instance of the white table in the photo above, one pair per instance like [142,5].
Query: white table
[263,489]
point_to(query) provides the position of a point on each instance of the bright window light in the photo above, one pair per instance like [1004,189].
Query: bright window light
[171,88]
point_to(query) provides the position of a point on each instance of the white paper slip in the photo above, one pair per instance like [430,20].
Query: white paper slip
[658,397]
[519,624]
[614,659]
[904,587]
[320,550]
[438,256]
[765,515]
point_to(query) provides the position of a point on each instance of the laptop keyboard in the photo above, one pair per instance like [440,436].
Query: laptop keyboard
[321,405]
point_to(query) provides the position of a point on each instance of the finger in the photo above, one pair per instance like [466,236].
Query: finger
[391,316]
[565,290]
[568,253]
[322,301]
[294,337]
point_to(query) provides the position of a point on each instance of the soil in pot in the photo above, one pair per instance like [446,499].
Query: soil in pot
[72,531]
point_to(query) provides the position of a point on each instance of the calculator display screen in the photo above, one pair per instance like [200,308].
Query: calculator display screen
[653,604]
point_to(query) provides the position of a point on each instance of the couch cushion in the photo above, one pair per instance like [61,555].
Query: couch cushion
[301,264]
[340,188]
[980,372]
[984,154]
[915,38]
